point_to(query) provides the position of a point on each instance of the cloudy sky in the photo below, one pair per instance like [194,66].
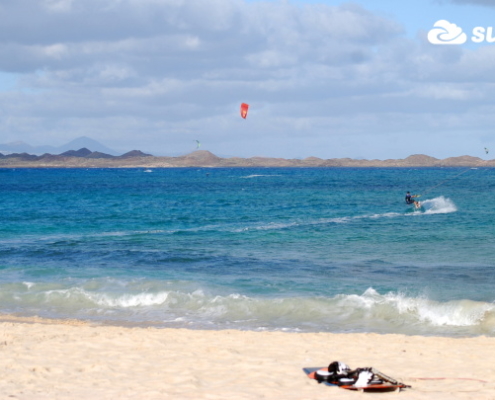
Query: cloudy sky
[323,78]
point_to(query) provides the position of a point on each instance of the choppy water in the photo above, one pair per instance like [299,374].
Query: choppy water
[332,250]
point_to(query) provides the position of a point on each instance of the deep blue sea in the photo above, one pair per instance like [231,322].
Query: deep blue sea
[297,250]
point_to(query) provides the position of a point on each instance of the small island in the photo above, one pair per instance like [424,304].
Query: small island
[85,158]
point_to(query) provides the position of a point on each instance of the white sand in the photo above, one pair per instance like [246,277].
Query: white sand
[72,360]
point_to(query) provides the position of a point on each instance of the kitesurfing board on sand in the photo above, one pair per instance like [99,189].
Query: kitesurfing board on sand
[372,387]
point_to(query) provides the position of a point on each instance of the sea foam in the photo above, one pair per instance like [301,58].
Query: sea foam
[438,205]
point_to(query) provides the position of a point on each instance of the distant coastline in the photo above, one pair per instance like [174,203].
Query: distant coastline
[84,158]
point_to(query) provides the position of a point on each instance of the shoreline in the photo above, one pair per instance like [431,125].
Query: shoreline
[66,359]
[206,159]
[125,324]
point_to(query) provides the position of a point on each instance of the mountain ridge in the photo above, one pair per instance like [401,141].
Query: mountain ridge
[77,143]
[84,158]
[67,155]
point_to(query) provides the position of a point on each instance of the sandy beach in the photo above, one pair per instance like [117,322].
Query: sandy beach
[44,359]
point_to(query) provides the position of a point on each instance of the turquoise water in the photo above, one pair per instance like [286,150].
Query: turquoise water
[298,250]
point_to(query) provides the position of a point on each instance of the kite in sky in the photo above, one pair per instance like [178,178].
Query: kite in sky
[244,110]
[198,144]
[486,150]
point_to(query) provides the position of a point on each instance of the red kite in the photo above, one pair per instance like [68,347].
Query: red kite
[244,110]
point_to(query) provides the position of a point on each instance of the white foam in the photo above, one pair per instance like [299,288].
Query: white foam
[78,295]
[370,311]
[29,285]
[438,205]
[320,221]
[452,313]
[420,309]
[256,176]
[128,300]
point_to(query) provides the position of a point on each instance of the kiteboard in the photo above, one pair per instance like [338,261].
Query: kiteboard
[413,208]
[418,207]
[379,382]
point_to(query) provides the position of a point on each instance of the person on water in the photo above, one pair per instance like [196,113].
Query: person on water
[409,199]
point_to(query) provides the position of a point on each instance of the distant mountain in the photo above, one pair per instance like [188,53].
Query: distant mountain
[78,143]
[22,147]
[98,154]
[86,153]
[86,142]
[77,153]
[135,153]
[81,153]
[84,158]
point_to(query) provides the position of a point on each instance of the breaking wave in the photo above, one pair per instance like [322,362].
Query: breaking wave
[198,308]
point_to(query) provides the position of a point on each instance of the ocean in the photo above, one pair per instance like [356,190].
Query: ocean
[263,249]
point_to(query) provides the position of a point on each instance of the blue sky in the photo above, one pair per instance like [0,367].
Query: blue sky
[323,78]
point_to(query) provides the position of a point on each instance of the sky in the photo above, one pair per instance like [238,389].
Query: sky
[323,78]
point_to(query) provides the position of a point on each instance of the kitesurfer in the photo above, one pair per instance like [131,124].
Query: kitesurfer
[409,199]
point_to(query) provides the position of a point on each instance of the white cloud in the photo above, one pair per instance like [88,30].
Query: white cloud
[488,3]
[56,51]
[58,5]
[323,80]
[442,91]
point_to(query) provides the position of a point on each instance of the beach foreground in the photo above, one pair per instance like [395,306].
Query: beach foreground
[45,359]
